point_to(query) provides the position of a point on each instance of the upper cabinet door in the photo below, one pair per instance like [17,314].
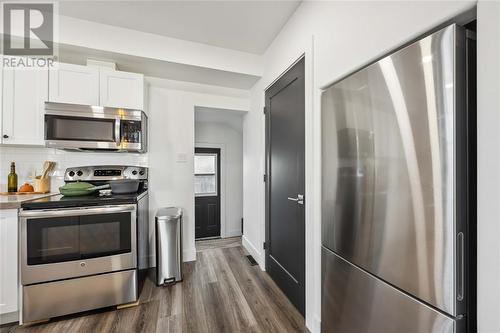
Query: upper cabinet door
[74,84]
[121,89]
[24,94]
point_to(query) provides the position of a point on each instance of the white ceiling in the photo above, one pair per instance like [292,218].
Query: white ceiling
[248,26]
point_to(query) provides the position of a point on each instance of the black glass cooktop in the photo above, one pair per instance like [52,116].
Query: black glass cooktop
[60,201]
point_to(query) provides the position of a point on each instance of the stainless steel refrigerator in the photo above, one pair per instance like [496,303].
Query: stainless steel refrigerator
[396,191]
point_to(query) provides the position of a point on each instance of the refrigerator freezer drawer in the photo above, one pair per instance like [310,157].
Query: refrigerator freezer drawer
[354,301]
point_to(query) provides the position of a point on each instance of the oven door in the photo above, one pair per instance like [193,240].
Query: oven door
[67,243]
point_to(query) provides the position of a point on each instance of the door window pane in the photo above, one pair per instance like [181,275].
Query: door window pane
[205,185]
[205,164]
[205,174]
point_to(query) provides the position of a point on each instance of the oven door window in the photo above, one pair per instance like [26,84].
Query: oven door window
[60,239]
[104,235]
[80,129]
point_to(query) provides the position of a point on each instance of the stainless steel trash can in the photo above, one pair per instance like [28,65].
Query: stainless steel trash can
[168,228]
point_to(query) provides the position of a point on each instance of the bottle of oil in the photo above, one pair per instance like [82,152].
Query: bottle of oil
[12,178]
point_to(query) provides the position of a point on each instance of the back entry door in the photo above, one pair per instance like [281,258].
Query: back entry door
[207,192]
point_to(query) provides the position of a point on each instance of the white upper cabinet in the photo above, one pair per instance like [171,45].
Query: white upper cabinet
[24,93]
[121,89]
[74,84]
[90,85]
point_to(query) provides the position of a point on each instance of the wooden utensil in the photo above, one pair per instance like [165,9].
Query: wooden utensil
[48,166]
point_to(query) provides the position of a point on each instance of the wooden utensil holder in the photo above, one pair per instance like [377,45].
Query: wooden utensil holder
[42,184]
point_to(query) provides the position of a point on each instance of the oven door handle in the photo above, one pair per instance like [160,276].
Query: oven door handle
[77,212]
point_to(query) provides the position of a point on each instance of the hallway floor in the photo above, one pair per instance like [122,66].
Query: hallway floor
[221,292]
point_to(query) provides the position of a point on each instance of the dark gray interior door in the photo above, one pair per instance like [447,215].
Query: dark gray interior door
[207,192]
[285,144]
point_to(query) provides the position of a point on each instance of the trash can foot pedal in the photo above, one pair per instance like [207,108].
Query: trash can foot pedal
[168,282]
[127,305]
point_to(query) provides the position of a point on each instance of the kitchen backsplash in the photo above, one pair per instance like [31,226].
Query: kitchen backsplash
[30,160]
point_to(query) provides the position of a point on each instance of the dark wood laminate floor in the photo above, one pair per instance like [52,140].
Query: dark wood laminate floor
[221,292]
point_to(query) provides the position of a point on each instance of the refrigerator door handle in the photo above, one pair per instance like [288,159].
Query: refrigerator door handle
[460,263]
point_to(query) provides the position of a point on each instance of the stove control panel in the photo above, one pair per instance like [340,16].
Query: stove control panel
[105,172]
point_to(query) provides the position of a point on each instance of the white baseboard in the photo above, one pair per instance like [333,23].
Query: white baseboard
[254,252]
[233,233]
[189,255]
[314,325]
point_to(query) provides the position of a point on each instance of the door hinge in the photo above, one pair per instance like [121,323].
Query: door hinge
[264,109]
[264,245]
[265,178]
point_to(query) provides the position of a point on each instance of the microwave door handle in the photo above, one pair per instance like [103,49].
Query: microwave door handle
[117,132]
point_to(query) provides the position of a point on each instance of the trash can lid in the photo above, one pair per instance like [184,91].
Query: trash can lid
[168,213]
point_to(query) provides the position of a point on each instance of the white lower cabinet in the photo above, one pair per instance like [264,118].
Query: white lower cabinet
[9,287]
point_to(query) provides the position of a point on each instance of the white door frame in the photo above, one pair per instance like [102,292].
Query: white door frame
[222,189]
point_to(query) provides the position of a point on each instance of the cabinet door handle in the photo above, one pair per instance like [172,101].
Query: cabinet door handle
[5,136]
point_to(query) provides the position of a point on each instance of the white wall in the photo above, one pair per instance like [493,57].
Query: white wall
[230,140]
[336,38]
[488,159]
[171,150]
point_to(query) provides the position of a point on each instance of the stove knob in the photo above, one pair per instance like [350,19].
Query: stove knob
[79,173]
[141,172]
[71,173]
[134,172]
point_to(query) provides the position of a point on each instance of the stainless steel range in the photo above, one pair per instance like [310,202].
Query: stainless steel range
[87,252]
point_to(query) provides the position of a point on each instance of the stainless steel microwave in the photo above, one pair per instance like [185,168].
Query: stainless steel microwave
[85,127]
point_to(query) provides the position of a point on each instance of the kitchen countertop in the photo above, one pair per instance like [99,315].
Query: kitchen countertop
[14,201]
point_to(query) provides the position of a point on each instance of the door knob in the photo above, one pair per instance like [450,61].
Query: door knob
[299,199]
